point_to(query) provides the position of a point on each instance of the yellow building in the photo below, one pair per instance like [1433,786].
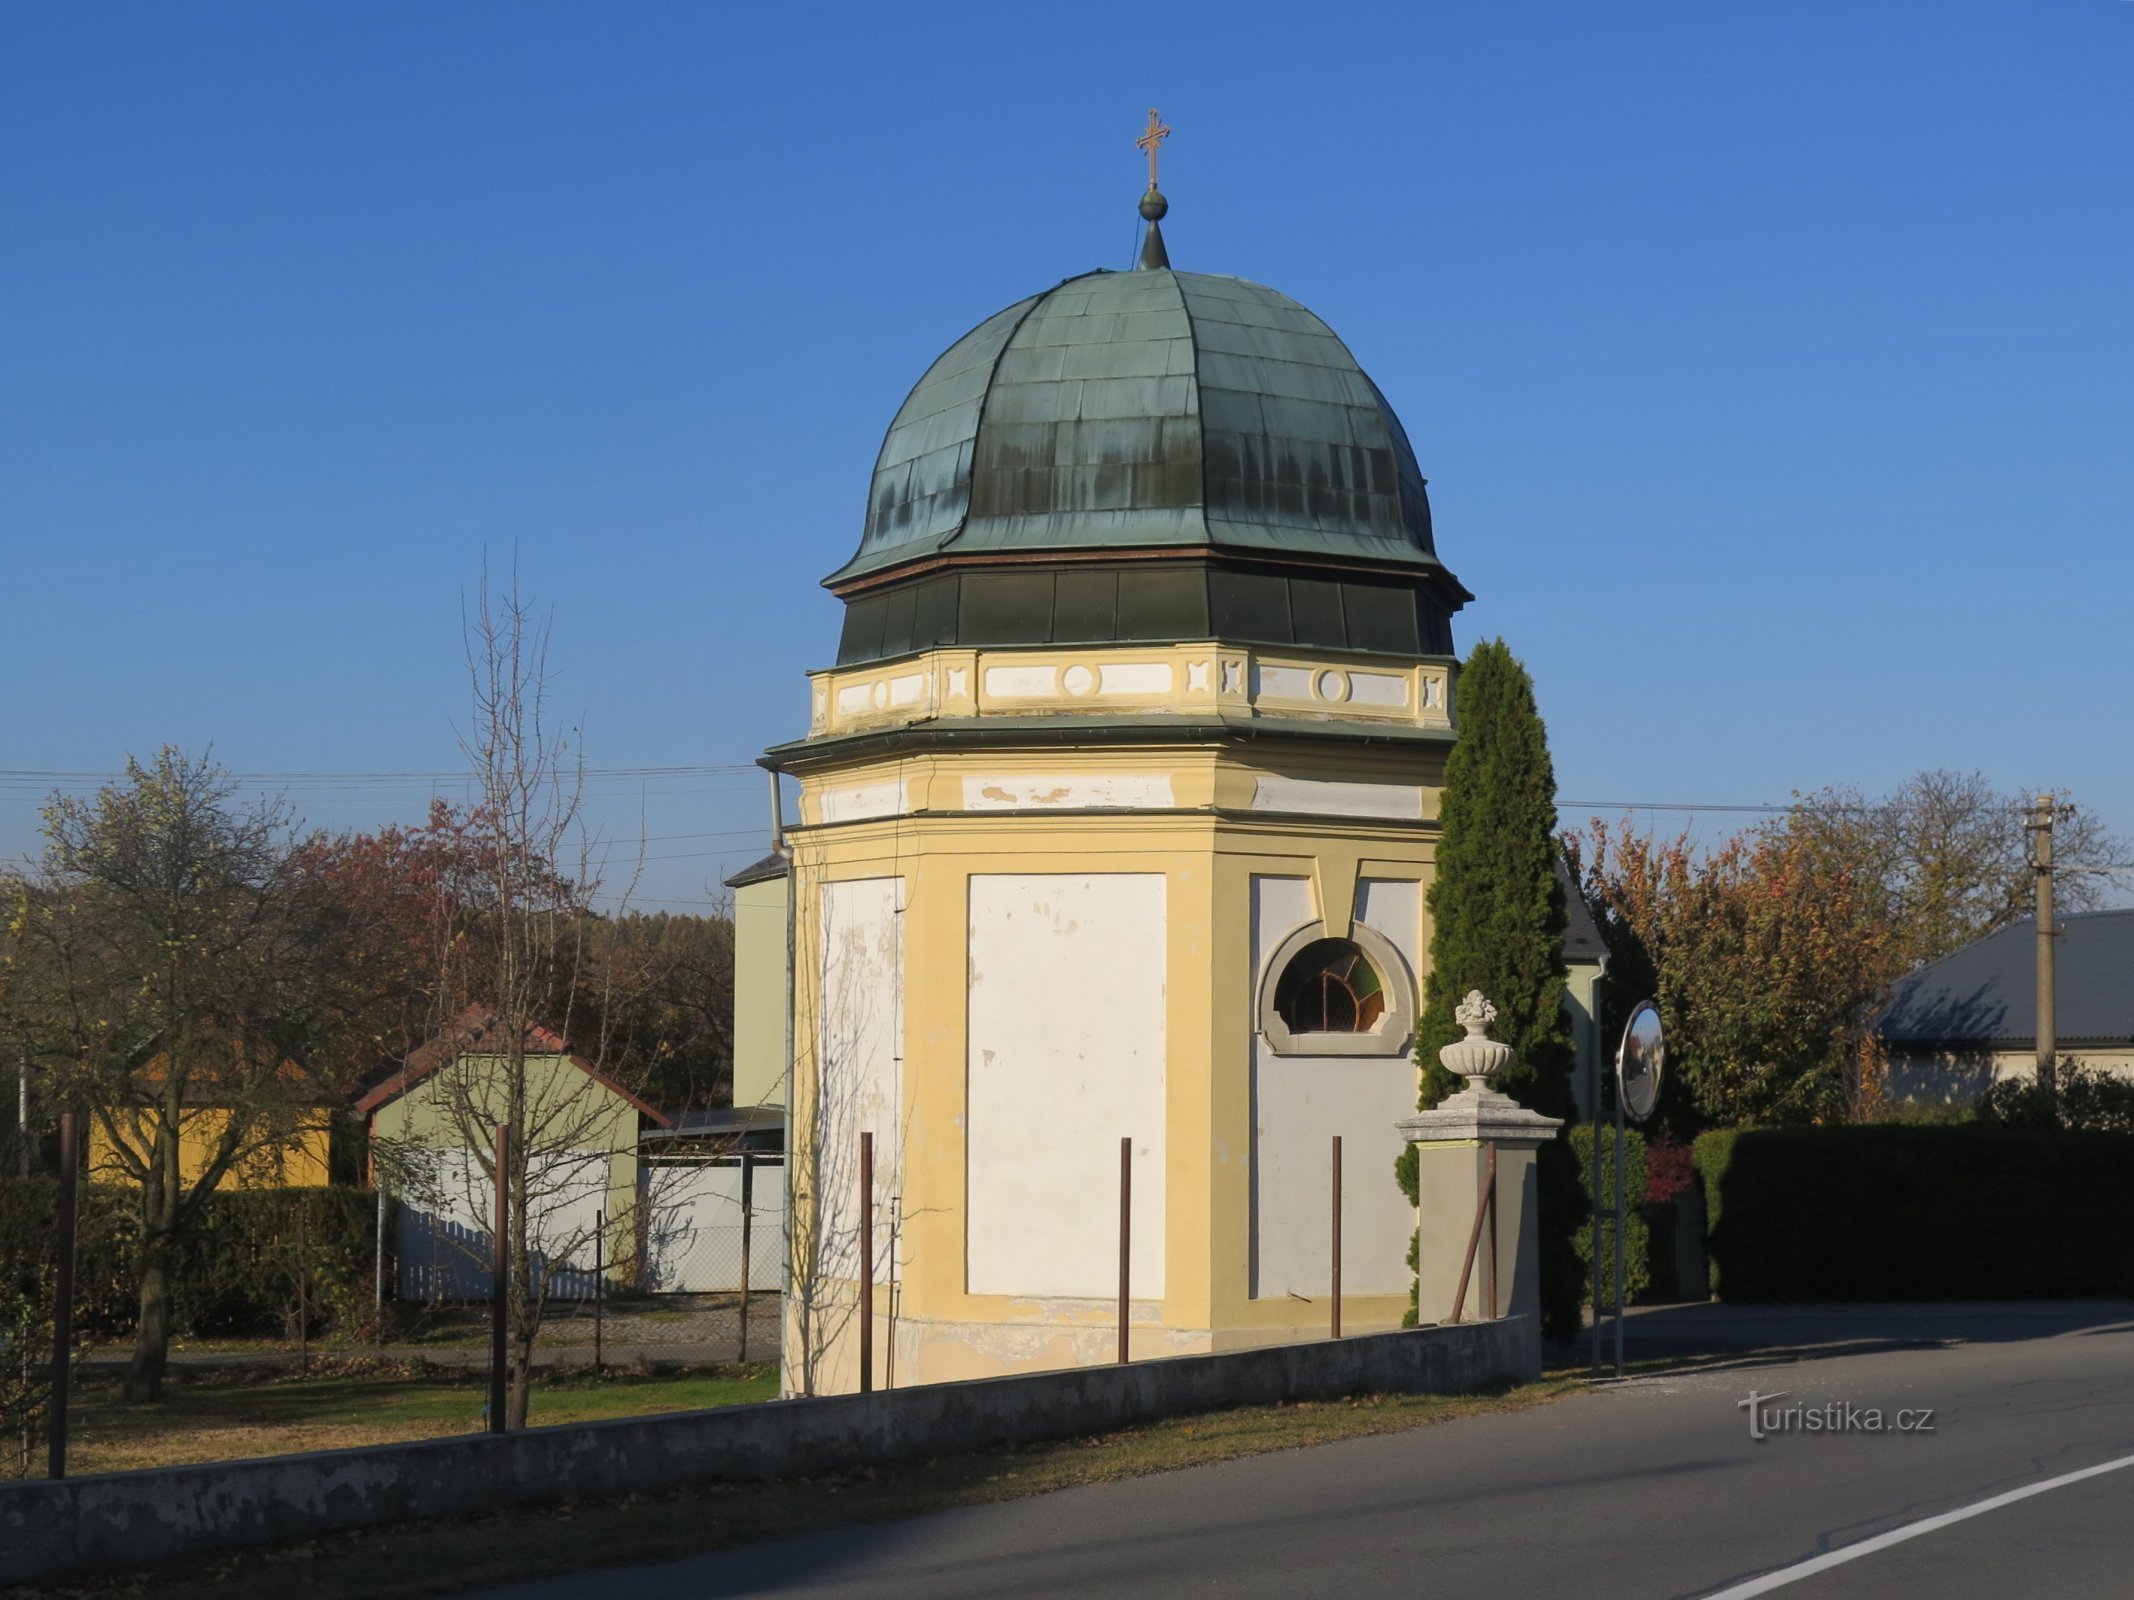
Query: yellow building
[431,1122]
[761,1000]
[1117,812]
[299,1155]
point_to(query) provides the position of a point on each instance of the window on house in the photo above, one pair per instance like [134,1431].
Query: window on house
[1330,987]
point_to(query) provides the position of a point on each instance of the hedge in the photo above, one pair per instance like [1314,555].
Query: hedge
[240,1265]
[1918,1213]
[1637,1236]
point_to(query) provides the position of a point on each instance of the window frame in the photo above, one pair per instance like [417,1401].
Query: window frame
[1394,1032]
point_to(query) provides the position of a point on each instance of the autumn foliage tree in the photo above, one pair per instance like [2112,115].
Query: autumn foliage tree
[1767,956]
[1771,953]
[657,988]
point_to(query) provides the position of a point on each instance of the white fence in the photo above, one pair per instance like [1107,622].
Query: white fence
[448,1203]
[693,1226]
[689,1228]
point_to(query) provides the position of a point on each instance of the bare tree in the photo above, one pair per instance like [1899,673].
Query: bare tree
[844,1081]
[1950,853]
[519,979]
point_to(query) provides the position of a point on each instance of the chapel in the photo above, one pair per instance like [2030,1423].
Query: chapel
[1116,814]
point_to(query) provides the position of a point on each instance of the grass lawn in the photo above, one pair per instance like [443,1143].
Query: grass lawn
[221,1415]
[437,1558]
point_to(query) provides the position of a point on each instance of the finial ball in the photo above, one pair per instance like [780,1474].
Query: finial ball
[1153,205]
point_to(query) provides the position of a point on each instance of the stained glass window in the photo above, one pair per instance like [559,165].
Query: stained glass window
[1331,987]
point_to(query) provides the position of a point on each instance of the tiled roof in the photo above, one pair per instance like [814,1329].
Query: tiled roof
[476,1032]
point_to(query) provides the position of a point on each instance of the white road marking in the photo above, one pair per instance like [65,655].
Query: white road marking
[1911,1530]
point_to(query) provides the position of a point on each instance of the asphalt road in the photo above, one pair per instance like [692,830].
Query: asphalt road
[1652,1489]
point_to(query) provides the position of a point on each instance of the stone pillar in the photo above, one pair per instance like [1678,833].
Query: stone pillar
[1452,1158]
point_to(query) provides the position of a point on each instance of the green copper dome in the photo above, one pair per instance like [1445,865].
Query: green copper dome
[1132,413]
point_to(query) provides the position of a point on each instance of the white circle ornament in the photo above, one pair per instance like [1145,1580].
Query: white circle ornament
[1476,1057]
[1078,680]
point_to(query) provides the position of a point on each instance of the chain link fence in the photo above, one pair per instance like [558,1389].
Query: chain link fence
[686,1271]
[660,1284]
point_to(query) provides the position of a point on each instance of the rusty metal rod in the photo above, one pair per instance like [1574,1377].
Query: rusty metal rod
[1126,1234]
[748,1237]
[499,1276]
[1485,1204]
[866,1263]
[63,1310]
[1491,1180]
[1337,1238]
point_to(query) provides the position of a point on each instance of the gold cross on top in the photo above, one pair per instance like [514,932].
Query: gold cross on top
[1152,138]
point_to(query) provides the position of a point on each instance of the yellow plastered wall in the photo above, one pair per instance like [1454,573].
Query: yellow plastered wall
[1207,845]
[300,1160]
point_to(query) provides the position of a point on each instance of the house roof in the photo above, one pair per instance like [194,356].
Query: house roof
[1582,941]
[771,866]
[720,1122]
[1985,994]
[476,1032]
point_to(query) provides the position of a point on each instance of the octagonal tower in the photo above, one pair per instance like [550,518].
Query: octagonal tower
[1116,816]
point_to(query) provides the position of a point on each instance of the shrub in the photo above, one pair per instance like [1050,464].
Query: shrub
[251,1259]
[1975,1212]
[1637,1235]
[2085,1098]
[1670,1170]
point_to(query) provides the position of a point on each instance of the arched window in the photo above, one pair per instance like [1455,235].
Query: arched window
[1323,994]
[1330,986]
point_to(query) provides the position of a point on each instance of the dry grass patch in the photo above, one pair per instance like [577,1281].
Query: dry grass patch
[211,1414]
[437,1558]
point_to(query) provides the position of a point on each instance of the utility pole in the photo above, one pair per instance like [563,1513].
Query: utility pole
[2039,827]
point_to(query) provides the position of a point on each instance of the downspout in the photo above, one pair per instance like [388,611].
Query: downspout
[1593,1162]
[792,1097]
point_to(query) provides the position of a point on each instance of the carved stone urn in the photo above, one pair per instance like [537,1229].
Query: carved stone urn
[1477,1056]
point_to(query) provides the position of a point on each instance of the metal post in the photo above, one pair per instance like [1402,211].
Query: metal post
[63,1308]
[2040,831]
[499,1276]
[600,1289]
[748,1238]
[1621,1161]
[1126,1234]
[1337,1238]
[1491,1180]
[1593,1248]
[378,1261]
[866,1263]
[303,1290]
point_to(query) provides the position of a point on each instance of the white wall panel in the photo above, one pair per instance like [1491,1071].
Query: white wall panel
[858,1047]
[1067,1054]
[1301,1102]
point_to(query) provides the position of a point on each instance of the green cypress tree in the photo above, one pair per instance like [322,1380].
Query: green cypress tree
[1497,923]
[1496,903]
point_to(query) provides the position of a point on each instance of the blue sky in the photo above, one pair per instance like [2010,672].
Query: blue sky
[1773,366]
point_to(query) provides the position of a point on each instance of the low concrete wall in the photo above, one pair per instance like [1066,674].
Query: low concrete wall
[121,1520]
